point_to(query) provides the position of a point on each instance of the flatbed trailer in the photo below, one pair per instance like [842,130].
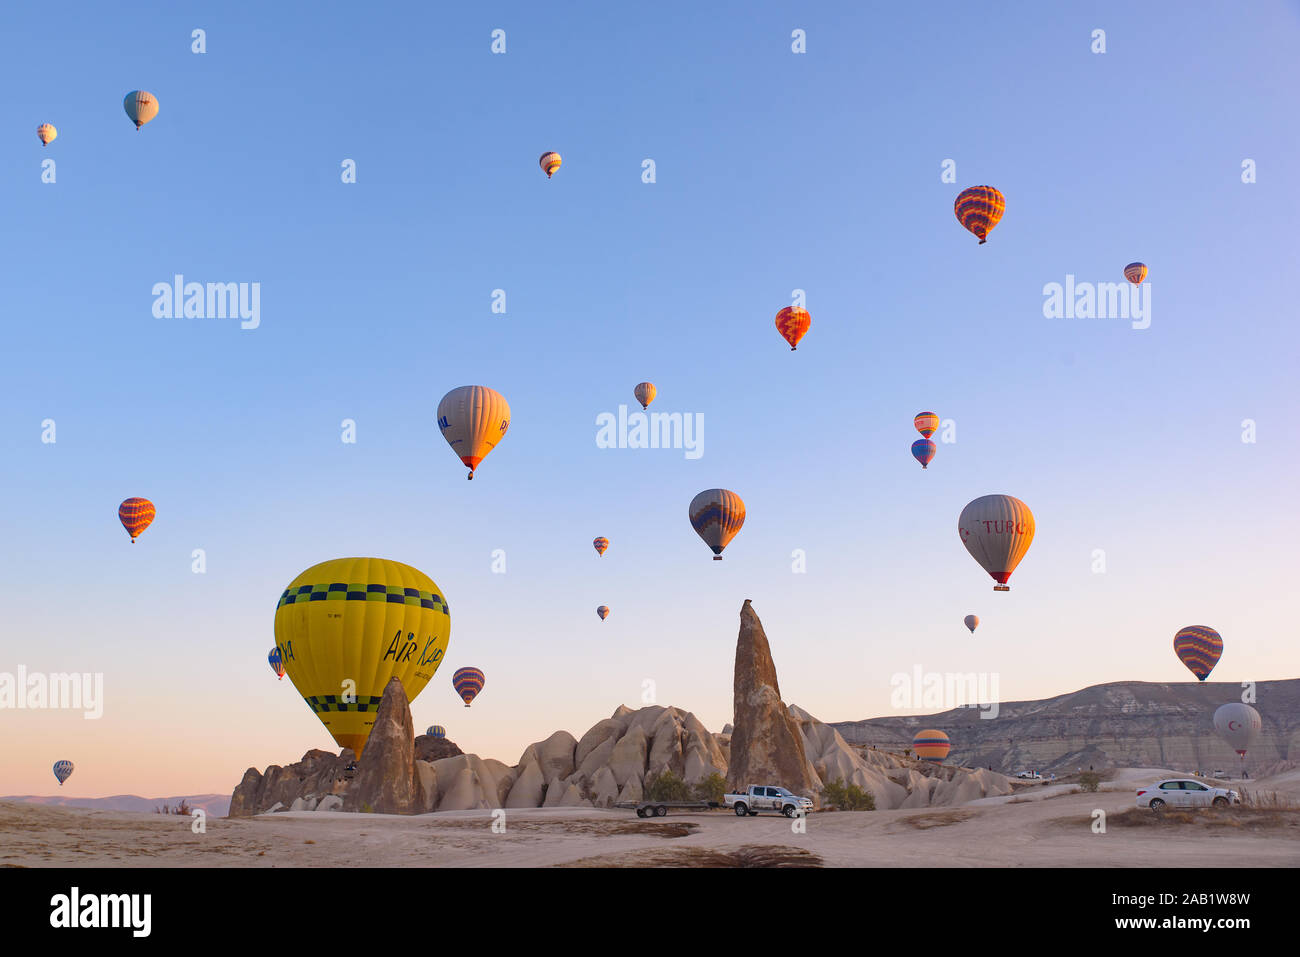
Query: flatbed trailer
[661,808]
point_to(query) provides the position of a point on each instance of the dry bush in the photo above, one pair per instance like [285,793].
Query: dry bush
[923,822]
[750,855]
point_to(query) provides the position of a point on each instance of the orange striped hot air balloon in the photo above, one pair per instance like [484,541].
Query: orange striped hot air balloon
[1199,648]
[46,133]
[600,545]
[550,162]
[140,106]
[136,515]
[1135,273]
[979,209]
[931,745]
[793,323]
[717,514]
[926,423]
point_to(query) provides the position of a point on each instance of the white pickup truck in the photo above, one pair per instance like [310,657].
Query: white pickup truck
[766,797]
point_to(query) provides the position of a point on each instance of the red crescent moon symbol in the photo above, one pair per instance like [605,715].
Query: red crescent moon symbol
[1233,725]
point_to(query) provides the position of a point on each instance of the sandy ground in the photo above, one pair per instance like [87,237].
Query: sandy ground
[1038,827]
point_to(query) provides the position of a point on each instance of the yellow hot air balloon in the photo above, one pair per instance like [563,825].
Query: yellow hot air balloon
[645,393]
[140,106]
[550,162]
[473,419]
[997,530]
[359,620]
[46,133]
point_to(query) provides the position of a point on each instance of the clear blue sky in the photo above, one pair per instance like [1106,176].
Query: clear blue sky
[775,171]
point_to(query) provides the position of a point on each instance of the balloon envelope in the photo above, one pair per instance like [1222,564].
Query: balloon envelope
[140,106]
[276,664]
[1135,273]
[550,162]
[997,530]
[473,419]
[923,451]
[468,682]
[347,626]
[645,393]
[1238,724]
[717,514]
[931,745]
[436,731]
[1199,647]
[979,209]
[600,544]
[136,514]
[926,423]
[793,322]
[46,133]
[603,611]
[972,622]
[62,771]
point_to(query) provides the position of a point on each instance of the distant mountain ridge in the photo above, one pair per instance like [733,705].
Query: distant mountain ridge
[215,805]
[1120,724]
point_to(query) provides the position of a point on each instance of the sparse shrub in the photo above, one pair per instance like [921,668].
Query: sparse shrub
[366,808]
[667,786]
[711,788]
[1090,781]
[845,796]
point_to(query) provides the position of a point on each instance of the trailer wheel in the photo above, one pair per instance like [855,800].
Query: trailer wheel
[741,810]
[661,811]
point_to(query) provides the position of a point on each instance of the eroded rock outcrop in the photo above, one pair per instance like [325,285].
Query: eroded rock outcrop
[386,781]
[767,745]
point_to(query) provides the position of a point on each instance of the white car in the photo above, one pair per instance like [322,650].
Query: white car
[1030,775]
[1184,792]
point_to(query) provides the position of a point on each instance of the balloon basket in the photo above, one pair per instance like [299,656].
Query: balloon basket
[1002,588]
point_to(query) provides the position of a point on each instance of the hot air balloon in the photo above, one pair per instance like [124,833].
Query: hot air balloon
[473,419]
[436,731]
[603,611]
[600,545]
[972,622]
[978,209]
[926,423]
[46,133]
[931,745]
[1135,273]
[1238,724]
[1199,647]
[717,514]
[550,162]
[276,664]
[997,530]
[923,451]
[793,323]
[645,393]
[140,106]
[468,682]
[62,771]
[136,514]
[347,626]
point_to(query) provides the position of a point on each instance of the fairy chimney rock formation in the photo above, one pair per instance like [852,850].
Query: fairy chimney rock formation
[767,745]
[386,781]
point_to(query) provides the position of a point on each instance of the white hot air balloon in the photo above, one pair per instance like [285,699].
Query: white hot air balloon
[997,531]
[473,419]
[1238,724]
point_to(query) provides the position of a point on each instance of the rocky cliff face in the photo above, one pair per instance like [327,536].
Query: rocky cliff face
[1123,724]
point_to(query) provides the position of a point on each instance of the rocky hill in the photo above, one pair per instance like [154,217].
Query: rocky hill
[1121,724]
[612,762]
